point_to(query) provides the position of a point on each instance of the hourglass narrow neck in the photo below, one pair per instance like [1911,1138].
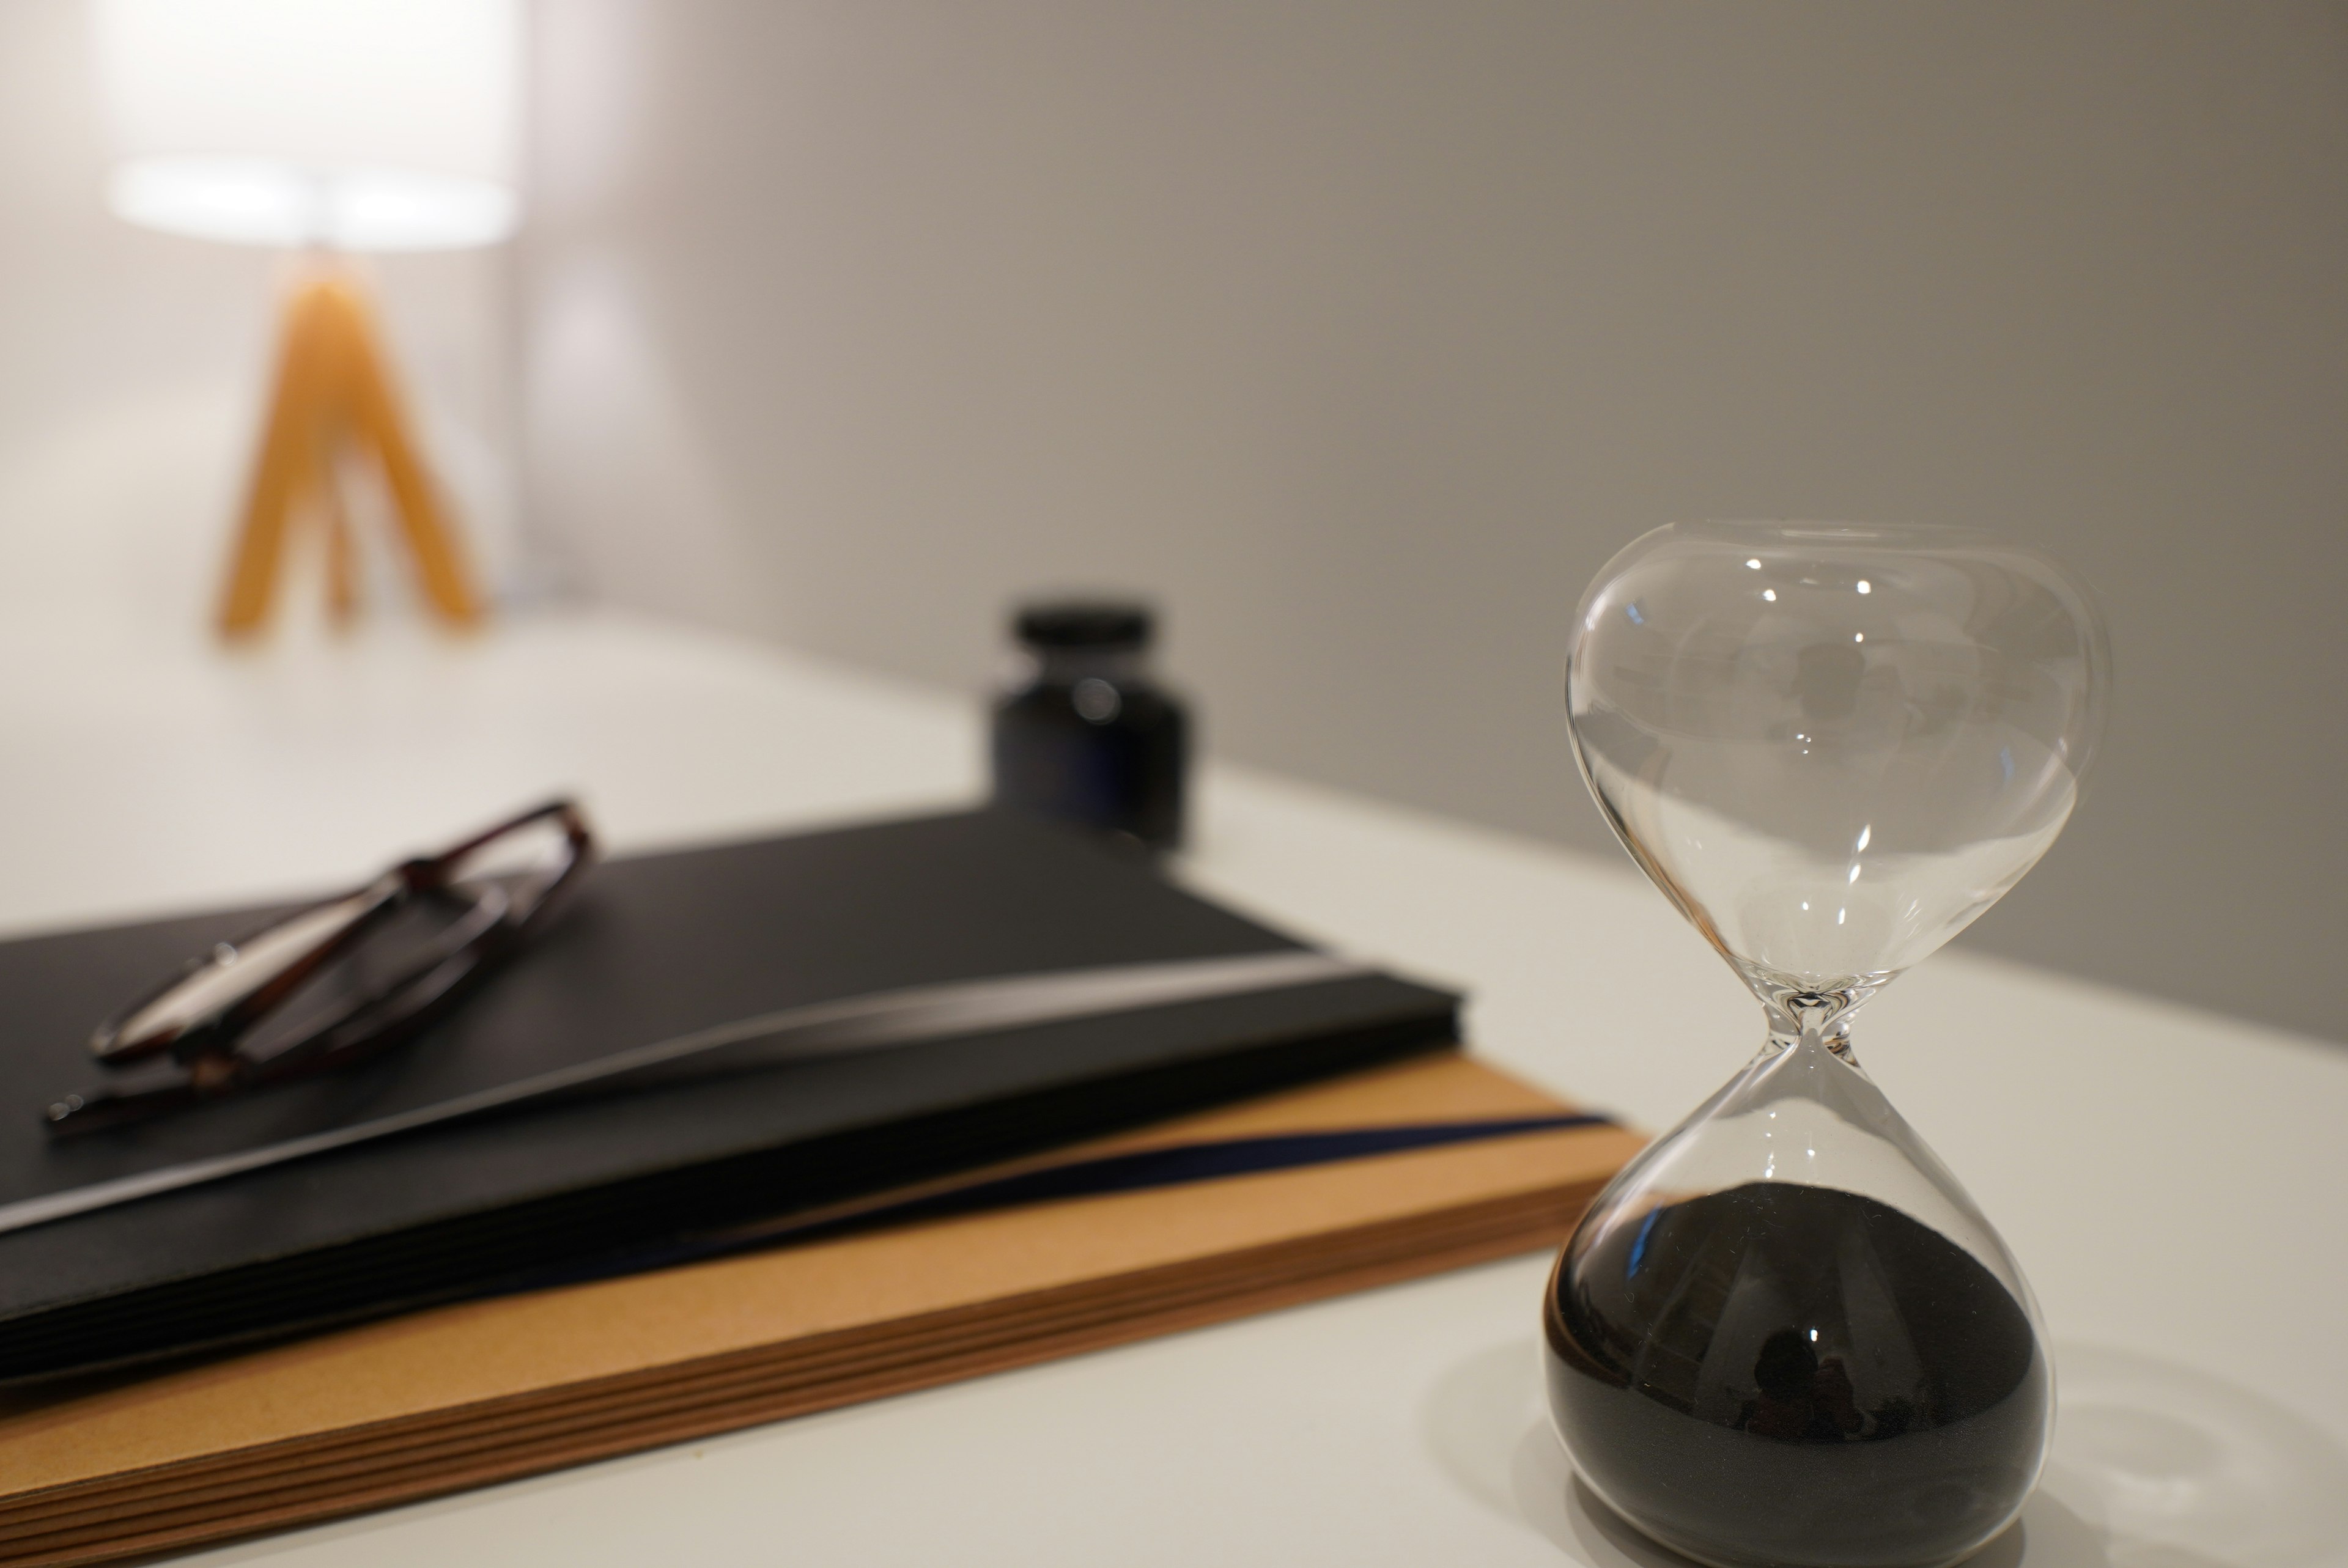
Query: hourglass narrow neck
[1798,1007]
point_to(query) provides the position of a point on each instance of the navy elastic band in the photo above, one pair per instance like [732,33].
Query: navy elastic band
[1176,1164]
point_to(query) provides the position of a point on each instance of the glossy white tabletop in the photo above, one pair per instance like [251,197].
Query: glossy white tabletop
[2175,1184]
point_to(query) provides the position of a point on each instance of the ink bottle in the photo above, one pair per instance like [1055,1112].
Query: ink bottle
[1085,734]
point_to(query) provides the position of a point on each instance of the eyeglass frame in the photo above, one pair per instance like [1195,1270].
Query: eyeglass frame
[208,1061]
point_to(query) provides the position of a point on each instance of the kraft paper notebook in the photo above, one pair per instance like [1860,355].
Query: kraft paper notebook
[1376,1176]
[909,1103]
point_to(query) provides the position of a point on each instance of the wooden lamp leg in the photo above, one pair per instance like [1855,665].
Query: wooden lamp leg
[294,439]
[377,420]
[334,519]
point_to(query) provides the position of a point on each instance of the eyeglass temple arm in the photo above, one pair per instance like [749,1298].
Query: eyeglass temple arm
[171,1089]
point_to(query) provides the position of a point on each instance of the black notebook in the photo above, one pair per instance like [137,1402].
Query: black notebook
[704,947]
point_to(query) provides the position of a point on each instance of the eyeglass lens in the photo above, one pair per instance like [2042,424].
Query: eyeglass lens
[235,972]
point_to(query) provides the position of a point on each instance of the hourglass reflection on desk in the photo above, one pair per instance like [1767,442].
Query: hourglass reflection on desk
[1784,1335]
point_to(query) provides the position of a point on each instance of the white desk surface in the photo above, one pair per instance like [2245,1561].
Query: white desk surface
[2175,1184]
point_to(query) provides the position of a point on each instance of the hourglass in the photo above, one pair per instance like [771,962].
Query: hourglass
[1784,1335]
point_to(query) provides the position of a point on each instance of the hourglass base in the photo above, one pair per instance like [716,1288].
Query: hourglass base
[1779,1375]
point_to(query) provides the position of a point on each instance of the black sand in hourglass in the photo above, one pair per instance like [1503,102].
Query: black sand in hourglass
[1780,1373]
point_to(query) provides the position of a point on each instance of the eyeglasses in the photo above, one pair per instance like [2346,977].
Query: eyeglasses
[338,982]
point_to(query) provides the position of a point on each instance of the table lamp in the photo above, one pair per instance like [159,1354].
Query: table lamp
[329,128]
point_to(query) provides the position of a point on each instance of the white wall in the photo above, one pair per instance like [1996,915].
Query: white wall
[1361,332]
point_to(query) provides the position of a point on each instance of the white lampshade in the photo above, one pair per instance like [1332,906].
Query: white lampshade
[363,125]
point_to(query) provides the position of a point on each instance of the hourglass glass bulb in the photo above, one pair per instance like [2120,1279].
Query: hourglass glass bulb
[1833,747]
[1784,1335]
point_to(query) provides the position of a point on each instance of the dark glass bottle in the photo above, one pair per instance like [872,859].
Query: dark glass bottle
[1087,736]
